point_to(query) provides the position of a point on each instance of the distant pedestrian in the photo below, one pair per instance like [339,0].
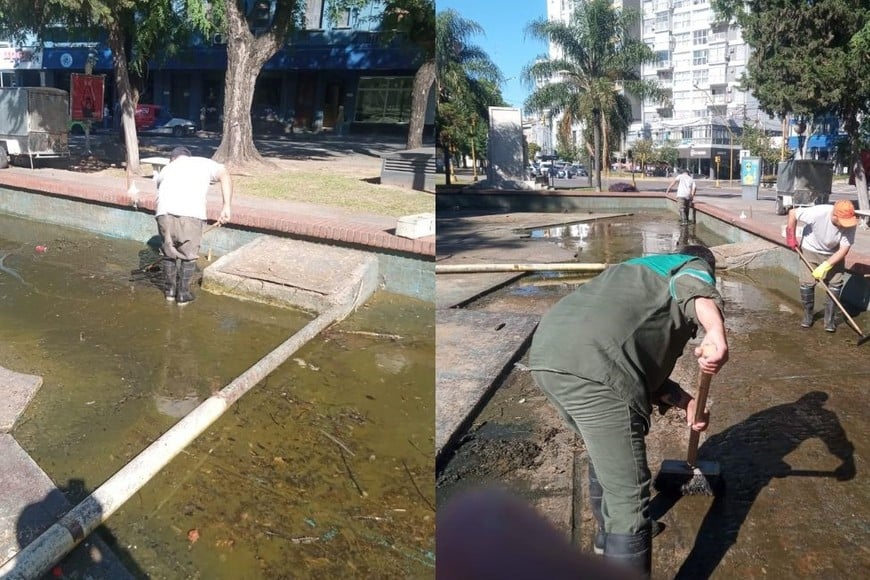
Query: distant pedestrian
[685,193]
[182,188]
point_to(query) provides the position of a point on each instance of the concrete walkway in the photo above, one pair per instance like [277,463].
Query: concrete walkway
[325,223]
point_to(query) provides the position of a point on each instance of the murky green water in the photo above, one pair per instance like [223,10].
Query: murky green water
[323,470]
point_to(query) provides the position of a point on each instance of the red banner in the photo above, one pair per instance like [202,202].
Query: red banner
[86,97]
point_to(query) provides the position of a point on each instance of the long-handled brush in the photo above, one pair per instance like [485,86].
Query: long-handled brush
[692,477]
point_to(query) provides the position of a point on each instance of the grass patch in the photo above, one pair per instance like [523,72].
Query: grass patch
[351,193]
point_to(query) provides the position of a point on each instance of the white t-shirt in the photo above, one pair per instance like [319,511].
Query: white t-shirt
[820,234]
[182,186]
[684,185]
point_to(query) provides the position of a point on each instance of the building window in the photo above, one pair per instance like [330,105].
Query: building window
[699,57]
[343,20]
[681,41]
[699,37]
[687,133]
[699,77]
[662,21]
[663,57]
[314,15]
[384,100]
[682,20]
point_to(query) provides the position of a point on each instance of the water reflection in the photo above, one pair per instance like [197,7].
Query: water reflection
[626,236]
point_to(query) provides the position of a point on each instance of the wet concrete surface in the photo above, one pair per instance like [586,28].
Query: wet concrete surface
[324,468]
[788,429]
[467,369]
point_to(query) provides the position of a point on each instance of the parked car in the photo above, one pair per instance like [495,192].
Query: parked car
[659,170]
[577,170]
[158,120]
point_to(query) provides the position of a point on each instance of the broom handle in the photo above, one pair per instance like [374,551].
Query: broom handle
[852,323]
[700,405]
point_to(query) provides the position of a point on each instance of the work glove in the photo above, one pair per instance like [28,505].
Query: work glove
[791,239]
[822,270]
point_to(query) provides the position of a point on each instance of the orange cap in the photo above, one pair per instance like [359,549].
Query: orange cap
[845,213]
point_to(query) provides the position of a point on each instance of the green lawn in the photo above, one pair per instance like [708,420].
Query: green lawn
[355,194]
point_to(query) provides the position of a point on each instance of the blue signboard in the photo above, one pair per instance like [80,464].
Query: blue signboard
[750,171]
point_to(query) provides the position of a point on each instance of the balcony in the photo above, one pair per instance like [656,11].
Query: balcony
[664,66]
[718,101]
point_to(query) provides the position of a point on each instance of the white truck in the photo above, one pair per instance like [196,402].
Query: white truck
[34,123]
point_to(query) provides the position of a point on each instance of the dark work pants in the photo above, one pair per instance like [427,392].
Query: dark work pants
[614,435]
[181,235]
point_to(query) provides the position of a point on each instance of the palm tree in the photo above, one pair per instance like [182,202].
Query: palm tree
[467,82]
[600,63]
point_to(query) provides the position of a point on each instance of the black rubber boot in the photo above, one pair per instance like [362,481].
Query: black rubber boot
[830,313]
[633,551]
[808,299]
[170,277]
[185,277]
[596,500]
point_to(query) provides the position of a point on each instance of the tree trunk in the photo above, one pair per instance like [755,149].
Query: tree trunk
[852,127]
[424,80]
[447,180]
[605,146]
[246,56]
[596,142]
[125,96]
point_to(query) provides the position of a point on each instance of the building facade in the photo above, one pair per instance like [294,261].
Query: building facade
[699,64]
[333,76]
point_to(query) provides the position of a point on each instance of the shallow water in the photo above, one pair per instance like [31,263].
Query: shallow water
[322,469]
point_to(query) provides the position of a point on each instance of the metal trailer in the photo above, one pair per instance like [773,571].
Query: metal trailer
[34,123]
[803,182]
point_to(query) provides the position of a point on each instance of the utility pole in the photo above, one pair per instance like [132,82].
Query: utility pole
[784,137]
[473,157]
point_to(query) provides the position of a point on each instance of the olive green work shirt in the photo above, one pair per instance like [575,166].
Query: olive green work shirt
[627,327]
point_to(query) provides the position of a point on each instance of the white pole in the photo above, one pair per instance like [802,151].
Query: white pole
[48,549]
[565,267]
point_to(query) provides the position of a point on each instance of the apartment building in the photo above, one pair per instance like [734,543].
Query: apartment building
[699,63]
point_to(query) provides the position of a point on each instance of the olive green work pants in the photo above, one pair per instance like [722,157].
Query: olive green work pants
[614,435]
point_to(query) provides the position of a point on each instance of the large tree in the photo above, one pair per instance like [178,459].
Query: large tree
[467,82]
[599,65]
[255,32]
[135,31]
[809,58]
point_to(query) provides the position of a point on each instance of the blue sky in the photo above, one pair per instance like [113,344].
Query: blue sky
[504,24]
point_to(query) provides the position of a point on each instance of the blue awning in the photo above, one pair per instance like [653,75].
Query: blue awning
[372,57]
[815,142]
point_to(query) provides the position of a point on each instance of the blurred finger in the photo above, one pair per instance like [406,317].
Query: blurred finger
[490,534]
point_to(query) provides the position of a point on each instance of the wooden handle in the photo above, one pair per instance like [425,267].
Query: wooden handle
[836,301]
[700,405]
